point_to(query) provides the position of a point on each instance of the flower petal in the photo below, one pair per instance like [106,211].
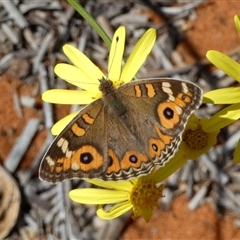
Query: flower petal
[61,124]
[82,62]
[193,122]
[116,54]
[236,157]
[223,118]
[124,186]
[222,96]
[76,77]
[170,167]
[63,96]
[115,211]
[237,23]
[138,55]
[224,63]
[98,196]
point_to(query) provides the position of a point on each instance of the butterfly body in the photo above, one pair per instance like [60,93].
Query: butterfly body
[111,98]
[125,133]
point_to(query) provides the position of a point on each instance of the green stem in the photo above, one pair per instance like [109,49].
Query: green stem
[91,21]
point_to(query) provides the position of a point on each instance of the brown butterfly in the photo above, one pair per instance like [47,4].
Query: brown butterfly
[125,133]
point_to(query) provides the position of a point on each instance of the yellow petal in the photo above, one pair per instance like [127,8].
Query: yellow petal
[224,63]
[115,211]
[237,23]
[61,124]
[116,54]
[97,196]
[170,167]
[236,157]
[223,118]
[222,96]
[193,122]
[76,77]
[124,186]
[82,62]
[138,55]
[62,96]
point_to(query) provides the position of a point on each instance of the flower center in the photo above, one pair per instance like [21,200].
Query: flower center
[145,195]
[196,139]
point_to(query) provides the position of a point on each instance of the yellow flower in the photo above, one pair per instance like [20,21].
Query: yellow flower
[197,139]
[86,75]
[229,95]
[140,194]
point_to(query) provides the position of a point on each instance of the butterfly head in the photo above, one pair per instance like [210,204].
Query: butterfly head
[106,86]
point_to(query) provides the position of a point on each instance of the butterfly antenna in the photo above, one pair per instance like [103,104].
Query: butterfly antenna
[114,54]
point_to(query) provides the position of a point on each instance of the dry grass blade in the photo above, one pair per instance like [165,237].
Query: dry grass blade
[5,61]
[47,107]
[15,14]
[21,145]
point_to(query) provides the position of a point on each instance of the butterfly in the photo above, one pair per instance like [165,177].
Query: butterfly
[125,133]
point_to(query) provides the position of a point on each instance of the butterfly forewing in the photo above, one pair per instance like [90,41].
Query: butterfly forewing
[168,102]
[67,155]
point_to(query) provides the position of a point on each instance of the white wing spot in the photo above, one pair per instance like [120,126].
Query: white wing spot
[69,154]
[166,85]
[60,142]
[65,146]
[179,110]
[50,161]
[167,90]
[75,166]
[185,88]
[171,98]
